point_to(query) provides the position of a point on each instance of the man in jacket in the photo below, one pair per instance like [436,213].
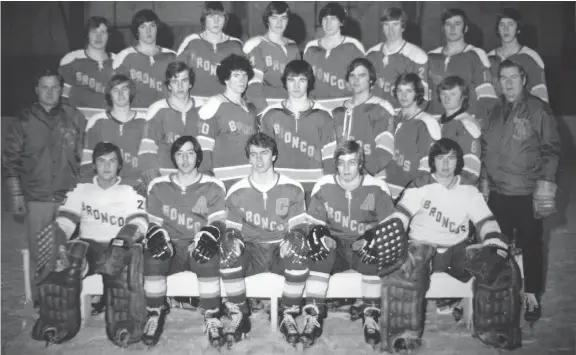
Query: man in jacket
[520,153]
[41,159]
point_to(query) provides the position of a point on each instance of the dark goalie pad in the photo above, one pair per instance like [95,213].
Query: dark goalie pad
[126,301]
[497,308]
[403,300]
[59,295]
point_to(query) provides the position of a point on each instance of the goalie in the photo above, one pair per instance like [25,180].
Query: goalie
[439,207]
[112,220]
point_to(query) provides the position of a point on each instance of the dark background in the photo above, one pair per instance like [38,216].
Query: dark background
[38,33]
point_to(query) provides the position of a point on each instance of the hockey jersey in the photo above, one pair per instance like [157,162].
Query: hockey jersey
[372,125]
[203,57]
[265,216]
[441,215]
[101,212]
[305,139]
[465,130]
[230,127]
[412,140]
[85,80]
[473,66]
[408,59]
[147,72]
[182,211]
[127,136]
[330,67]
[164,125]
[349,214]
[532,64]
[269,60]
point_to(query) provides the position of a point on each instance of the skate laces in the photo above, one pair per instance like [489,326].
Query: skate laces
[153,318]
[370,323]
[212,324]
[531,302]
[288,320]
[235,315]
[311,319]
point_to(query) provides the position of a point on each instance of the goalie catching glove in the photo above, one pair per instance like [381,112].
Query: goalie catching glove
[231,248]
[205,244]
[157,242]
[319,242]
[487,261]
[294,247]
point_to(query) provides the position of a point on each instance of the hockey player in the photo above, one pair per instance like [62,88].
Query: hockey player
[231,120]
[202,52]
[145,63]
[345,210]
[415,132]
[111,219]
[459,125]
[87,71]
[366,118]
[508,27]
[186,211]
[330,55]
[464,60]
[168,119]
[396,56]
[303,128]
[269,55]
[265,232]
[438,208]
[120,125]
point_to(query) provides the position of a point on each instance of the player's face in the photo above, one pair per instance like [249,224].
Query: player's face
[121,95]
[98,37]
[406,95]
[238,81]
[392,30]
[297,86]
[215,22]
[331,25]
[454,29]
[451,99]
[512,83]
[446,164]
[107,167]
[507,29]
[186,158]
[180,85]
[147,32]
[277,23]
[49,90]
[261,159]
[348,167]
[359,80]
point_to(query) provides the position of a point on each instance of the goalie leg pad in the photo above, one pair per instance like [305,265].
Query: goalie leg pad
[497,308]
[59,295]
[403,302]
[126,313]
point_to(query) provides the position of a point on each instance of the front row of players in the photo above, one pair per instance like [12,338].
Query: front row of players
[261,225]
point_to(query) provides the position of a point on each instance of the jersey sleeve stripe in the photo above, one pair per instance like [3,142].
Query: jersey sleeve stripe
[301,175]
[70,215]
[315,221]
[486,226]
[395,190]
[472,164]
[86,157]
[66,225]
[66,90]
[232,224]
[136,215]
[258,77]
[424,166]
[148,146]
[297,220]
[140,220]
[540,91]
[206,143]
[153,219]
[485,90]
[217,216]
[385,141]
[426,90]
[232,172]
[328,151]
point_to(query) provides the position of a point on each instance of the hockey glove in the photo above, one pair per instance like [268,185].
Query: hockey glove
[157,242]
[544,199]
[231,248]
[205,244]
[366,248]
[294,247]
[319,242]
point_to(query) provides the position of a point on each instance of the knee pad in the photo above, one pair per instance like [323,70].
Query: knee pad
[126,302]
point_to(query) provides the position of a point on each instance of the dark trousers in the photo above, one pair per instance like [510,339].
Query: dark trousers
[515,215]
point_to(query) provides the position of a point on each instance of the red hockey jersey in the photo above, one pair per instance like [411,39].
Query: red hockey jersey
[230,126]
[473,66]
[147,72]
[182,211]
[265,216]
[349,214]
[330,67]
[531,62]
[372,125]
[305,139]
[103,127]
[408,59]
[412,140]
[85,79]
[165,124]
[203,57]
[465,130]
[269,60]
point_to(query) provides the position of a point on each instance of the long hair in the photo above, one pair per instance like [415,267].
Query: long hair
[444,146]
[299,67]
[179,143]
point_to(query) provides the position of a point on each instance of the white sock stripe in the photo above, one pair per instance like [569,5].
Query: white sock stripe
[296,272]
[230,270]
[235,287]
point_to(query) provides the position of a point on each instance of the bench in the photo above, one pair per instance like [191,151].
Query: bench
[267,285]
